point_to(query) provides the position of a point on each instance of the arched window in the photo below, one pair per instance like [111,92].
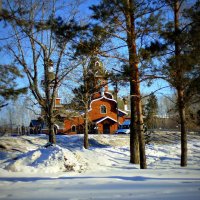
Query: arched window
[97,64]
[73,128]
[103,109]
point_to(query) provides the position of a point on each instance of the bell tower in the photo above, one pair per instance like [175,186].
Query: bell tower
[99,74]
[51,79]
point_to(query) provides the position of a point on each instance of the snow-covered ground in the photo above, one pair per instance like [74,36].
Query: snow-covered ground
[29,171]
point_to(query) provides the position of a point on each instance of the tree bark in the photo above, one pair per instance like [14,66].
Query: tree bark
[140,126]
[179,86]
[181,108]
[52,137]
[86,100]
[50,99]
[134,140]
[137,143]
[86,143]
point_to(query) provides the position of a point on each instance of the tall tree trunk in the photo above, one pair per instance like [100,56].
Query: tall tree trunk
[52,137]
[181,109]
[140,125]
[137,143]
[134,141]
[179,87]
[86,101]
[50,99]
[86,143]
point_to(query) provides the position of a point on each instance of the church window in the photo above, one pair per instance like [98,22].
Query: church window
[103,109]
[73,128]
[97,64]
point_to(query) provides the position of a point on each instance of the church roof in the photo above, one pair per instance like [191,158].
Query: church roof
[35,122]
[98,95]
[125,113]
[100,98]
[103,118]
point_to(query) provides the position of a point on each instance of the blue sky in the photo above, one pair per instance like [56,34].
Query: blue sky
[5,59]
[84,11]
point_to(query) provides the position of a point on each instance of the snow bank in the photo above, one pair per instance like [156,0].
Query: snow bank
[27,154]
[45,160]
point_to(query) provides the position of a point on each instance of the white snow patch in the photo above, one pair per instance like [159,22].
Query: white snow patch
[46,160]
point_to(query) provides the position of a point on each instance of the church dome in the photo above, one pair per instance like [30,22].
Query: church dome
[96,67]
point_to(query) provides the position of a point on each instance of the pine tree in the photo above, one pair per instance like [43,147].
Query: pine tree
[92,39]
[180,68]
[181,59]
[151,109]
[84,92]
[128,21]
[8,84]
[82,97]
[42,45]
[193,14]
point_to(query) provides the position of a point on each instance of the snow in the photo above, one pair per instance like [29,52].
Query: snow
[29,170]
[46,160]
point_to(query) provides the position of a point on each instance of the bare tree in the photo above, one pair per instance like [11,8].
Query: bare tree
[33,44]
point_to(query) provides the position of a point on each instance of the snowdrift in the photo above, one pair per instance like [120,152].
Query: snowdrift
[27,154]
[46,160]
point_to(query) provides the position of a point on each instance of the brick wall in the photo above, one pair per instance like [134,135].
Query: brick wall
[95,114]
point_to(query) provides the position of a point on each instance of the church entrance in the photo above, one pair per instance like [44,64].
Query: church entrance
[106,128]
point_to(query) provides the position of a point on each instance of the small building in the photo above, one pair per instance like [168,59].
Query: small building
[35,126]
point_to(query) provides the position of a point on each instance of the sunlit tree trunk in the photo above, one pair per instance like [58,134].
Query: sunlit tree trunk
[137,143]
[86,143]
[181,108]
[179,87]
[86,100]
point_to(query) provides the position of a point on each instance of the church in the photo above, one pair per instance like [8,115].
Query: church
[103,114]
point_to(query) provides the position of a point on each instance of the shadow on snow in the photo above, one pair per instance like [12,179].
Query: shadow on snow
[124,178]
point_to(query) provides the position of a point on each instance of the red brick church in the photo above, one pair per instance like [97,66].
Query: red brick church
[104,115]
